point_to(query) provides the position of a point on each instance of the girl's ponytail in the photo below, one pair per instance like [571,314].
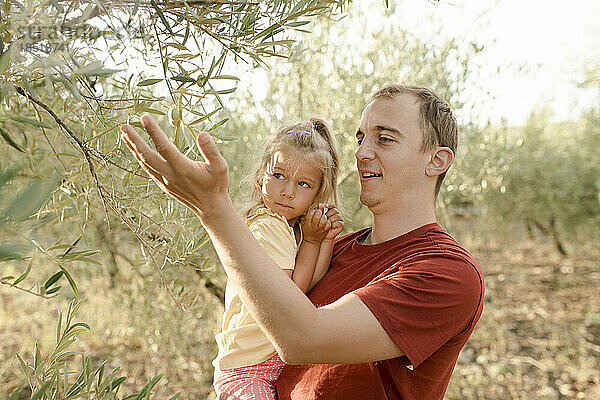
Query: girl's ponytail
[322,128]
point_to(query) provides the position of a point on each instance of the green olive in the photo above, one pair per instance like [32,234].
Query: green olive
[174,117]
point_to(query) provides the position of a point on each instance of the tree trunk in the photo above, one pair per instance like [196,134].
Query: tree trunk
[109,246]
[552,232]
[212,287]
[555,237]
[541,227]
[529,227]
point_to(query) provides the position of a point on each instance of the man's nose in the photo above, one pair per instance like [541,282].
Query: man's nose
[365,151]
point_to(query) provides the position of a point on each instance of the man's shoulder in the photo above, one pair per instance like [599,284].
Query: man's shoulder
[445,258]
[353,235]
[445,246]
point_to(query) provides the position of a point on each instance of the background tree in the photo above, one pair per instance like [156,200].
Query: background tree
[547,183]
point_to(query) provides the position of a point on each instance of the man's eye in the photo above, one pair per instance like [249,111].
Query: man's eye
[385,139]
[359,141]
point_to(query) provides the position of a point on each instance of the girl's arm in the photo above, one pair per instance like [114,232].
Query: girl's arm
[305,265]
[323,261]
[314,230]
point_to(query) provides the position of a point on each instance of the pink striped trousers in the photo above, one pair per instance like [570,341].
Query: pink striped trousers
[254,382]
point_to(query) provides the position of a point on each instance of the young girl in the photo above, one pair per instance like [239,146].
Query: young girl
[295,220]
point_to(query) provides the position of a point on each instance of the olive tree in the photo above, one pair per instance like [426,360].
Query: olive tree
[72,73]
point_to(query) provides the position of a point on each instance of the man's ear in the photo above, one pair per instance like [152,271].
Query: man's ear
[440,161]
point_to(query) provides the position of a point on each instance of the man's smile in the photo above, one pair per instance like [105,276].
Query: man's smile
[367,174]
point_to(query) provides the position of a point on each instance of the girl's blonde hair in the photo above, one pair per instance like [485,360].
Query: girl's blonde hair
[313,139]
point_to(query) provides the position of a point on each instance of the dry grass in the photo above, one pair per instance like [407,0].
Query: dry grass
[539,336]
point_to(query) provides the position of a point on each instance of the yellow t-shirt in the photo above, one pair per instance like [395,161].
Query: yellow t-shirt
[241,341]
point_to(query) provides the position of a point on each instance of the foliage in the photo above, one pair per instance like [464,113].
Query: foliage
[16,215]
[19,208]
[49,376]
[77,95]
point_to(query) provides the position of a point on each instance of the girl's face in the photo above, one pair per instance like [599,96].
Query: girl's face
[290,184]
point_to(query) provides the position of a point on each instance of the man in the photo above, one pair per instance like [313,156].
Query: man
[400,299]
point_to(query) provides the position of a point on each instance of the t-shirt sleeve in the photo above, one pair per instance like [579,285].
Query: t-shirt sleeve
[425,303]
[275,237]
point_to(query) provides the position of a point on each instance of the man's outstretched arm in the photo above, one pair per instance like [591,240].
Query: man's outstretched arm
[343,332]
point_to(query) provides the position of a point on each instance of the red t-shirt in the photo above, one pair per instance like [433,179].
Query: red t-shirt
[425,290]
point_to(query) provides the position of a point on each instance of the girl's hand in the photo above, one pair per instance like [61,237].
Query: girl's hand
[316,225]
[337,222]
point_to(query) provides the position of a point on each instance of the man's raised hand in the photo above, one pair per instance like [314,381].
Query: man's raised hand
[199,185]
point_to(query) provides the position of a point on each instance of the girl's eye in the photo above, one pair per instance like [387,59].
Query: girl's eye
[304,184]
[359,141]
[277,175]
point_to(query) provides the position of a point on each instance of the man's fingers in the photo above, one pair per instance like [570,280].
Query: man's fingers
[155,175]
[141,150]
[162,143]
[149,154]
[208,149]
[158,177]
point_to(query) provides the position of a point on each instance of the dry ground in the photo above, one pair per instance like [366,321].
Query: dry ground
[539,336]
